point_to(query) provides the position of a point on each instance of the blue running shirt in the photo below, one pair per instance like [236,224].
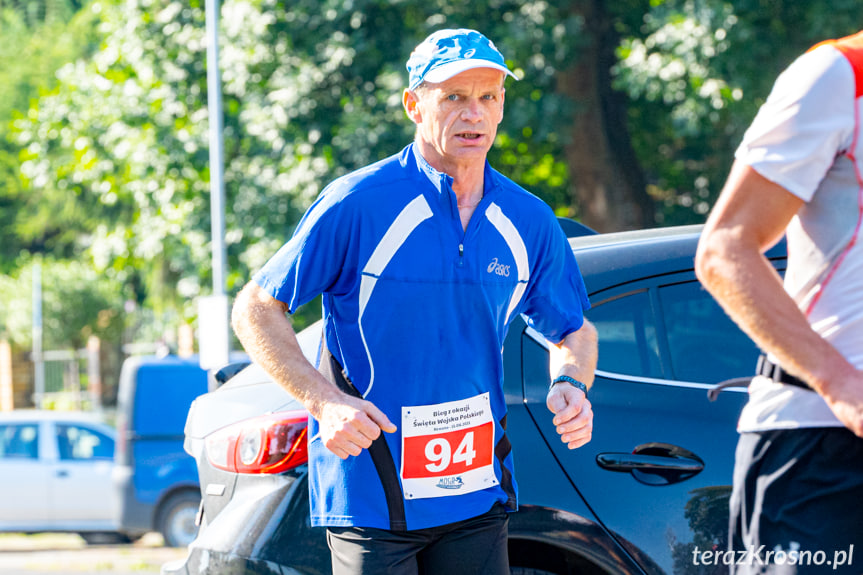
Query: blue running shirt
[416,310]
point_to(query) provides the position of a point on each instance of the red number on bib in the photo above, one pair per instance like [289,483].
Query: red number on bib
[448,453]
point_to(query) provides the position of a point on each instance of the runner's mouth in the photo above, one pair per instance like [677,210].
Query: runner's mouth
[469,135]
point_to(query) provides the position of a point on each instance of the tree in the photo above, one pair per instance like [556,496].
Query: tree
[607,180]
[76,303]
[627,116]
[38,37]
[308,97]
[695,73]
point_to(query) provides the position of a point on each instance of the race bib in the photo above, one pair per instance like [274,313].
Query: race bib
[448,448]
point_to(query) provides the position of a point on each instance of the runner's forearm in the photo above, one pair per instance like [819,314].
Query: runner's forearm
[731,266]
[268,337]
[576,355]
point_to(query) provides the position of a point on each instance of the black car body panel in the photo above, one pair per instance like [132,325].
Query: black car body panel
[258,531]
[650,487]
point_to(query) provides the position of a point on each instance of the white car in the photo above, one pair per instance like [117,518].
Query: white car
[55,474]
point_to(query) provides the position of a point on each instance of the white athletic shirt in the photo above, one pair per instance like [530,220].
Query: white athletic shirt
[806,137]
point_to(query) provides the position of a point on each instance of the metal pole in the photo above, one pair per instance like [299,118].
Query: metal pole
[217,184]
[217,346]
[38,360]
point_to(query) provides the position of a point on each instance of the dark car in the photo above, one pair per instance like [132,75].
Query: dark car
[643,496]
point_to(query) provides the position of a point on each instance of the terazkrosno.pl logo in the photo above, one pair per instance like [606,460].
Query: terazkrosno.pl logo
[450,483]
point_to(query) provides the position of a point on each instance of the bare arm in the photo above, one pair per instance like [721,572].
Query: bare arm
[576,357]
[749,217]
[348,424]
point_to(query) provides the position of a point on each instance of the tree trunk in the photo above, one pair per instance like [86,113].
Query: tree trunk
[608,185]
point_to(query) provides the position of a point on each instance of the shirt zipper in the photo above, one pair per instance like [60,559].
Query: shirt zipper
[464,232]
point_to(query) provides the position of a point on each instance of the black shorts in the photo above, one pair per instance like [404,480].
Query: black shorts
[797,503]
[474,546]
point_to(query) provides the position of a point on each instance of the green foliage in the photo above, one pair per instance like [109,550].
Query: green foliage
[696,72]
[38,37]
[113,153]
[310,93]
[76,303]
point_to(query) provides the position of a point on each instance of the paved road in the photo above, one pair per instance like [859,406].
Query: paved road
[49,554]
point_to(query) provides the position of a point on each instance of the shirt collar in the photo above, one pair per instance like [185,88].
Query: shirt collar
[443,182]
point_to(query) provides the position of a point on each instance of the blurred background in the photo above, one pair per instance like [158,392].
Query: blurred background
[626,116]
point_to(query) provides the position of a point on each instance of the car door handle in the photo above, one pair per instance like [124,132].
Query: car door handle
[654,463]
[62,473]
[626,462]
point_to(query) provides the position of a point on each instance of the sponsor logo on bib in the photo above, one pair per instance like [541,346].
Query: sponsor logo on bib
[450,483]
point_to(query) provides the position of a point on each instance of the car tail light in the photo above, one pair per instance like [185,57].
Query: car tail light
[269,444]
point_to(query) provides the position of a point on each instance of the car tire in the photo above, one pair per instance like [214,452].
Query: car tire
[176,518]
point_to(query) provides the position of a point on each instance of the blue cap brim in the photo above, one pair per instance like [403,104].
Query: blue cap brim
[446,71]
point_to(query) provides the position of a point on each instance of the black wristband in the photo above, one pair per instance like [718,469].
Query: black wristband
[571,380]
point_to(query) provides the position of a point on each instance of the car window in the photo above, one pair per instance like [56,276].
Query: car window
[74,442]
[627,335]
[704,344]
[19,441]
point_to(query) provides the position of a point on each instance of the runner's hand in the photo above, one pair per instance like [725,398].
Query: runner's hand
[573,415]
[351,424]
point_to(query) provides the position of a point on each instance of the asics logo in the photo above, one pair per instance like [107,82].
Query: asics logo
[498,268]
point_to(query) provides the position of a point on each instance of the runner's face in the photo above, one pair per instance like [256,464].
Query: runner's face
[457,119]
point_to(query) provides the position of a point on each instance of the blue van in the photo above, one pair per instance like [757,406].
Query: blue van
[156,480]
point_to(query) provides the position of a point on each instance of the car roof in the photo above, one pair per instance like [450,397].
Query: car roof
[634,236]
[606,260]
